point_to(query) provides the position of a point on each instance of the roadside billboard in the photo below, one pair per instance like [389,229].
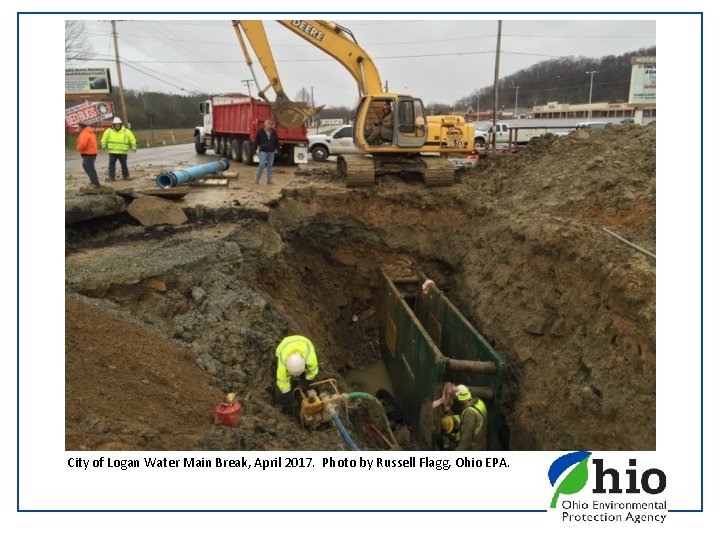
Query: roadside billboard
[87,81]
[642,81]
[93,113]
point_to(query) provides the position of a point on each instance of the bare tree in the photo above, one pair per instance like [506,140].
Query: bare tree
[77,46]
[303,95]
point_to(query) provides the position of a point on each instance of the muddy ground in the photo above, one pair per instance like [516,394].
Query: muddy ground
[161,321]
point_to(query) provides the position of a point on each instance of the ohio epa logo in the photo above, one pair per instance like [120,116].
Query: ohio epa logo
[637,490]
[575,479]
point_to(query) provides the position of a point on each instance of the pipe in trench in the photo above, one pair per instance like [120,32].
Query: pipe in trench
[168,179]
[627,242]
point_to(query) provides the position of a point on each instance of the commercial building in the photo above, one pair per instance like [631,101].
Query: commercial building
[555,109]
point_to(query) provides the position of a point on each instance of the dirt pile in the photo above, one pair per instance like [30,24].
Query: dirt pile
[126,389]
[570,307]
[518,245]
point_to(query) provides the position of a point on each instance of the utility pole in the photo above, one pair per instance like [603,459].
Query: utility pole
[497,72]
[591,73]
[312,104]
[247,82]
[120,83]
[516,94]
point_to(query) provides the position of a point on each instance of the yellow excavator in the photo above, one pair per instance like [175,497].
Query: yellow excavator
[401,141]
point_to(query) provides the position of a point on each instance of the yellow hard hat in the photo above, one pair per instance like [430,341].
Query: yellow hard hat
[447,424]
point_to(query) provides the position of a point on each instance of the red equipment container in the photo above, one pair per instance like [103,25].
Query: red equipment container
[228,414]
[242,116]
[230,122]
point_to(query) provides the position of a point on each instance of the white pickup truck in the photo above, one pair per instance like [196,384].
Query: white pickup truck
[504,134]
[338,141]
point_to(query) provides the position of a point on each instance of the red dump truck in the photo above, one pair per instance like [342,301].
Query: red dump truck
[230,122]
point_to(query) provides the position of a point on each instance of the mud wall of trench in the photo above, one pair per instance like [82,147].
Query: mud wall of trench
[573,319]
[574,323]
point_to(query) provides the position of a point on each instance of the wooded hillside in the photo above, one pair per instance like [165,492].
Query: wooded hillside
[564,80]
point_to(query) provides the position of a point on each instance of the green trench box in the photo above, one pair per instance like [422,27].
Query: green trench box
[425,342]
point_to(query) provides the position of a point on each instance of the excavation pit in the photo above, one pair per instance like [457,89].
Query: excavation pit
[161,322]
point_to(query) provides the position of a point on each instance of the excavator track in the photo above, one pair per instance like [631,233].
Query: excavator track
[435,171]
[356,171]
[361,171]
[439,171]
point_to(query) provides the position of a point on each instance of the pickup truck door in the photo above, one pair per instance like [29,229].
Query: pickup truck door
[503,135]
[341,142]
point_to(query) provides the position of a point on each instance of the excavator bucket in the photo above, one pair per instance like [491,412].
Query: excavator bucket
[291,114]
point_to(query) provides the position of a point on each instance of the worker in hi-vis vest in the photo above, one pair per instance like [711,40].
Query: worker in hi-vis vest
[449,435]
[473,420]
[118,140]
[296,358]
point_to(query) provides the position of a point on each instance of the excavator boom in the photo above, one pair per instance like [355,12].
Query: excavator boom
[338,42]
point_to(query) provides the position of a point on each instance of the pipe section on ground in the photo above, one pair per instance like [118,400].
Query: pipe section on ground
[167,180]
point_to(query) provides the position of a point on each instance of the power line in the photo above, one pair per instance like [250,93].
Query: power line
[186,50]
[392,57]
[162,80]
[158,60]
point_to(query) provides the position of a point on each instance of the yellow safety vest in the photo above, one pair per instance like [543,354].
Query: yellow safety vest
[118,142]
[480,409]
[291,345]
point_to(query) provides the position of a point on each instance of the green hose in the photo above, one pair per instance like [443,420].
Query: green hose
[370,397]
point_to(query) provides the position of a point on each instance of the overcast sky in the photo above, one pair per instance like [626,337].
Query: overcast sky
[436,60]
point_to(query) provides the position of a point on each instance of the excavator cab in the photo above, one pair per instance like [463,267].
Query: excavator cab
[385,123]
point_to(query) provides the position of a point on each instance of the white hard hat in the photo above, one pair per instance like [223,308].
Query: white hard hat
[462,392]
[295,364]
[117,120]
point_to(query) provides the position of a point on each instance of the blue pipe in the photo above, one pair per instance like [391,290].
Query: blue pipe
[343,432]
[167,180]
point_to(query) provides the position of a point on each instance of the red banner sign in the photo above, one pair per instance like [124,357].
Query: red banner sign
[93,113]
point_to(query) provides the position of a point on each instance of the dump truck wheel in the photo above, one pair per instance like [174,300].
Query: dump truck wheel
[235,150]
[199,145]
[246,153]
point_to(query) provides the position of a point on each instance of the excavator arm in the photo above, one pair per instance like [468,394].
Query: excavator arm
[289,114]
[331,38]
